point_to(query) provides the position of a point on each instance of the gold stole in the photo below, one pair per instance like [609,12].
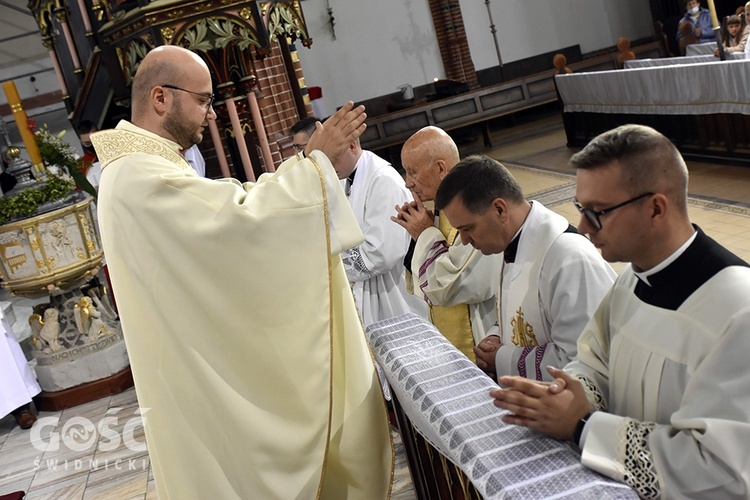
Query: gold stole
[453,322]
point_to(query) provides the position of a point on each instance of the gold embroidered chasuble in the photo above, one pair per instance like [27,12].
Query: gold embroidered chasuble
[247,352]
[454,321]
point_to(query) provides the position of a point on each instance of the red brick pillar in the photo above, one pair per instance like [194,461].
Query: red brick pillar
[451,35]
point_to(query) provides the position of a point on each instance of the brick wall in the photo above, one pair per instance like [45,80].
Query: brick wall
[451,35]
[277,104]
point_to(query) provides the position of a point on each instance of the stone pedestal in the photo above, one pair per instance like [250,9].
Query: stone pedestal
[82,364]
[76,339]
[67,398]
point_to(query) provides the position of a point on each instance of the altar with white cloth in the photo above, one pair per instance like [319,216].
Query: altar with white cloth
[701,103]
[697,49]
[672,61]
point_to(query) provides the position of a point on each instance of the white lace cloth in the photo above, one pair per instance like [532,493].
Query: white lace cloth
[446,397]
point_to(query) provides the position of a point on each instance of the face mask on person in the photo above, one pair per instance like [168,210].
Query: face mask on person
[694,10]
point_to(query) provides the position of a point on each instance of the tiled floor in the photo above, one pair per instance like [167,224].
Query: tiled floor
[719,195]
[114,467]
[535,150]
[64,457]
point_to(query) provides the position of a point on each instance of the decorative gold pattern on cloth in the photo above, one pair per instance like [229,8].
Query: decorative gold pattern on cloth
[454,322]
[330,291]
[523,332]
[449,232]
[114,144]
[330,330]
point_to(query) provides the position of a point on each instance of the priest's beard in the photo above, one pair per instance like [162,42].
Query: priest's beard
[183,133]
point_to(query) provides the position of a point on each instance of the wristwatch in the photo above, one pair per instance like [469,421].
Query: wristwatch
[579,428]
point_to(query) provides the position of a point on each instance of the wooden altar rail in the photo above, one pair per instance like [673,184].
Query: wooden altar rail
[434,477]
[483,104]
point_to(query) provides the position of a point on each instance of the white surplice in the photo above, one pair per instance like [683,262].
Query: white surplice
[666,363]
[375,267]
[17,382]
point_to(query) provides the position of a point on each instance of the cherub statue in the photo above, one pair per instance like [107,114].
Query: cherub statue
[46,332]
[89,320]
[100,298]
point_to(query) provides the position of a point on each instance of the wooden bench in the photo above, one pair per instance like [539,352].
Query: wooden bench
[483,104]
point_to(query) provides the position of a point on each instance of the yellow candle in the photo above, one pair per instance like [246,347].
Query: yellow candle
[16,106]
[714,17]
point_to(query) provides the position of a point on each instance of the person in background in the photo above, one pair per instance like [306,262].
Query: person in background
[734,35]
[699,19]
[301,132]
[375,267]
[372,187]
[195,159]
[17,383]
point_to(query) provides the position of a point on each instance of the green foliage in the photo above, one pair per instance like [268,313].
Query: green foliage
[56,187]
[26,203]
[56,152]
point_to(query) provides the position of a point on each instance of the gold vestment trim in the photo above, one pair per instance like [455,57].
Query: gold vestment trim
[116,143]
[330,323]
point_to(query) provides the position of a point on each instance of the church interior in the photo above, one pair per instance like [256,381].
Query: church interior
[484,72]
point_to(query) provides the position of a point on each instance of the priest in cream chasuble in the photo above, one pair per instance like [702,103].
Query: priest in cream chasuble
[246,348]
[249,359]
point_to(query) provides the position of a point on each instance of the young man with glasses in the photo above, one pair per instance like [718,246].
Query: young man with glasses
[659,396]
[552,278]
[301,132]
[243,337]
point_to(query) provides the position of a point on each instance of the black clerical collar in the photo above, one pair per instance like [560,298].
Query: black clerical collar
[701,261]
[509,255]
[348,183]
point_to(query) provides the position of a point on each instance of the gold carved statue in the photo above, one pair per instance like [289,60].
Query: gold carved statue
[89,320]
[46,331]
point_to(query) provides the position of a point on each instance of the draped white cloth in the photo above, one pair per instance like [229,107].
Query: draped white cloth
[17,382]
[699,49]
[672,61]
[691,89]
[448,273]
[195,159]
[375,267]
